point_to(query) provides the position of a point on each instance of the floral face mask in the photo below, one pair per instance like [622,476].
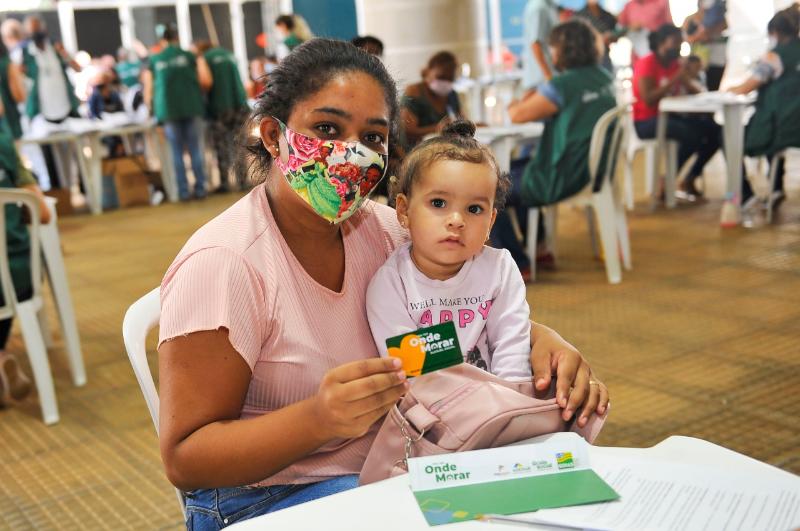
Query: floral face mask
[332,176]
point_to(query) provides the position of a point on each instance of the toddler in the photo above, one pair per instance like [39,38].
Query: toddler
[447,194]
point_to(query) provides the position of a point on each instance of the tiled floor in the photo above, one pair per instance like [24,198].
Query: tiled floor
[702,338]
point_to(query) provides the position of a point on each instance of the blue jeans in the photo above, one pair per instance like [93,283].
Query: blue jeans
[186,134]
[211,509]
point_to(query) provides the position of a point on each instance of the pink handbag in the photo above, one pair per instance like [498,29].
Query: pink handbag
[463,408]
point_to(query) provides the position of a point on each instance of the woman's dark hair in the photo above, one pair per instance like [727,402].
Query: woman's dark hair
[285,20]
[785,22]
[302,74]
[576,43]
[457,142]
[366,40]
[657,37]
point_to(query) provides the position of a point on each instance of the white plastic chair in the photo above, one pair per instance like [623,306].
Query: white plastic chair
[141,317]
[773,171]
[27,311]
[605,203]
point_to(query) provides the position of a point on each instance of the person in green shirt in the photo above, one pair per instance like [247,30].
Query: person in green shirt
[12,93]
[14,384]
[570,104]
[775,125]
[128,67]
[226,109]
[173,89]
[285,26]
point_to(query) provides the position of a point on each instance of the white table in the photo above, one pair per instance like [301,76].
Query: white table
[57,277]
[732,108]
[504,138]
[125,128]
[390,506]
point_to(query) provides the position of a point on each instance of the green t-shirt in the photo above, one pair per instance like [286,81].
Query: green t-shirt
[561,165]
[292,41]
[227,92]
[176,90]
[128,72]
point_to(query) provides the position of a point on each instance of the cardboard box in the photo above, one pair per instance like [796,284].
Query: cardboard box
[131,179]
[64,197]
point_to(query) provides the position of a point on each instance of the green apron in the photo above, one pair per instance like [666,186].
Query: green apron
[177,93]
[32,107]
[10,112]
[776,122]
[561,165]
[128,72]
[17,238]
[227,92]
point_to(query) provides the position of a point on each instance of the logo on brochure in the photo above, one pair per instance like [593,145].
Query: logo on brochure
[444,472]
[519,467]
[501,471]
[542,464]
[564,460]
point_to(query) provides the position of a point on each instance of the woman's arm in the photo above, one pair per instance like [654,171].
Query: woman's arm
[203,382]
[412,127]
[16,83]
[538,54]
[204,76]
[576,385]
[44,210]
[533,108]
[651,94]
[749,85]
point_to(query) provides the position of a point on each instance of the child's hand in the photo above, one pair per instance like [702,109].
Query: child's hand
[352,397]
[576,387]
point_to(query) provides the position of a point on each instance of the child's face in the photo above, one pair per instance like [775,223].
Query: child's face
[693,68]
[449,215]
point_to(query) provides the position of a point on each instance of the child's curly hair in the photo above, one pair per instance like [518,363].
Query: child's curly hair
[457,142]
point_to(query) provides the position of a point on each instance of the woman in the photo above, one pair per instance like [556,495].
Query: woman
[430,103]
[571,103]
[661,74]
[703,31]
[269,375]
[12,92]
[774,126]
[605,24]
[14,384]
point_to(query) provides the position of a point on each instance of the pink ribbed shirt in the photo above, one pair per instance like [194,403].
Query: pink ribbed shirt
[237,272]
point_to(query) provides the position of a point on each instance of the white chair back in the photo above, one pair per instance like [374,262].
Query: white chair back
[608,131]
[141,317]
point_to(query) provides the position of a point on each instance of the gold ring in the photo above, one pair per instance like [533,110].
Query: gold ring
[594,382]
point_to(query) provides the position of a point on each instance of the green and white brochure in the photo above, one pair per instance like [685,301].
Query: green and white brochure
[510,480]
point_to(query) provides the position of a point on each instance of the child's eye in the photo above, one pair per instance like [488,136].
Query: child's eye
[437,203]
[475,209]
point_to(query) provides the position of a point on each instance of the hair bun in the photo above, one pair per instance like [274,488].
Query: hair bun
[462,128]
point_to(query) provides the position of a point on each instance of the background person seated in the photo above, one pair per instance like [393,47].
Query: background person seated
[776,122]
[579,93]
[432,102]
[661,74]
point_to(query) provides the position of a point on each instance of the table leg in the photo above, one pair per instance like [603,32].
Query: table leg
[733,138]
[661,150]
[56,273]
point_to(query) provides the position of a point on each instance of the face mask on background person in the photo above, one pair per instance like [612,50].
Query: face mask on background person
[332,176]
[441,87]
[39,37]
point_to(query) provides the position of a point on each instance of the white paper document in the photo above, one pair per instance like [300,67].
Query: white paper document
[658,495]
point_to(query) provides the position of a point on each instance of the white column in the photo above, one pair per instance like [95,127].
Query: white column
[286,7]
[66,21]
[239,42]
[360,25]
[496,34]
[127,29]
[184,23]
[269,12]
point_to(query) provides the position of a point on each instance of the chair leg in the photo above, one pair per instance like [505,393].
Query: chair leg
[623,237]
[550,227]
[650,171]
[44,326]
[592,227]
[40,365]
[773,174]
[533,234]
[604,207]
[629,182]
[672,174]
[69,328]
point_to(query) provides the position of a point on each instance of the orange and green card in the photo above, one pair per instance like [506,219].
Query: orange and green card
[426,349]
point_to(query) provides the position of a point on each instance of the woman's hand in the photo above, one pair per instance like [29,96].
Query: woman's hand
[576,387]
[352,397]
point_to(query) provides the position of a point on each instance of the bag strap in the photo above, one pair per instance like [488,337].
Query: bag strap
[419,416]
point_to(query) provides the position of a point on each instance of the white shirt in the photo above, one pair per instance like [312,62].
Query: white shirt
[539,19]
[486,300]
[53,94]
